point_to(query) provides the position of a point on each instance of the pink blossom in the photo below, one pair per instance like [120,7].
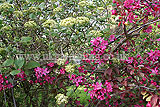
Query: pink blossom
[149,29]
[62,71]
[81,69]
[50,64]
[108,87]
[97,86]
[66,62]
[21,75]
[128,3]
[95,42]
[158,39]
[148,104]
[114,1]
[155,70]
[112,37]
[85,90]
[113,12]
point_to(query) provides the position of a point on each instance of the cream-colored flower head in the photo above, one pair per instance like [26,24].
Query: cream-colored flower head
[18,13]
[61,99]
[61,61]
[70,68]
[95,33]
[5,6]
[30,24]
[50,23]
[100,8]
[58,9]
[83,3]
[68,22]
[82,20]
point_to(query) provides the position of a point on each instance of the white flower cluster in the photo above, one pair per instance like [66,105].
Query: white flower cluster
[50,23]
[5,6]
[30,24]
[83,3]
[70,21]
[95,33]
[61,61]
[61,99]
[69,68]
[58,9]
[82,20]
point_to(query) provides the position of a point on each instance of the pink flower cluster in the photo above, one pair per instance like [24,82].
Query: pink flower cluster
[144,8]
[62,71]
[76,79]
[99,45]
[148,65]
[100,91]
[21,75]
[81,69]
[153,55]
[43,76]
[4,83]
[51,64]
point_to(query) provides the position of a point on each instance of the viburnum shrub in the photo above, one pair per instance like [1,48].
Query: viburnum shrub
[117,70]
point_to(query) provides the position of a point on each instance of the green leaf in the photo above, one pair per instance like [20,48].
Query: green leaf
[70,92]
[19,63]
[32,64]
[31,0]
[26,39]
[42,5]
[158,36]
[32,16]
[8,62]
[15,72]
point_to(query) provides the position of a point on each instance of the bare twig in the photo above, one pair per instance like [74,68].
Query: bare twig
[14,101]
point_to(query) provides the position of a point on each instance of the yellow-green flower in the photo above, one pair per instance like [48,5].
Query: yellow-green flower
[6,28]
[69,68]
[18,13]
[58,9]
[61,61]
[83,3]
[68,22]
[95,33]
[50,23]
[32,9]
[5,6]
[82,20]
[100,8]
[30,24]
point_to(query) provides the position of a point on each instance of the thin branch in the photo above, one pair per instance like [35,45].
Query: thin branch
[14,101]
[131,36]
[123,41]
[5,98]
